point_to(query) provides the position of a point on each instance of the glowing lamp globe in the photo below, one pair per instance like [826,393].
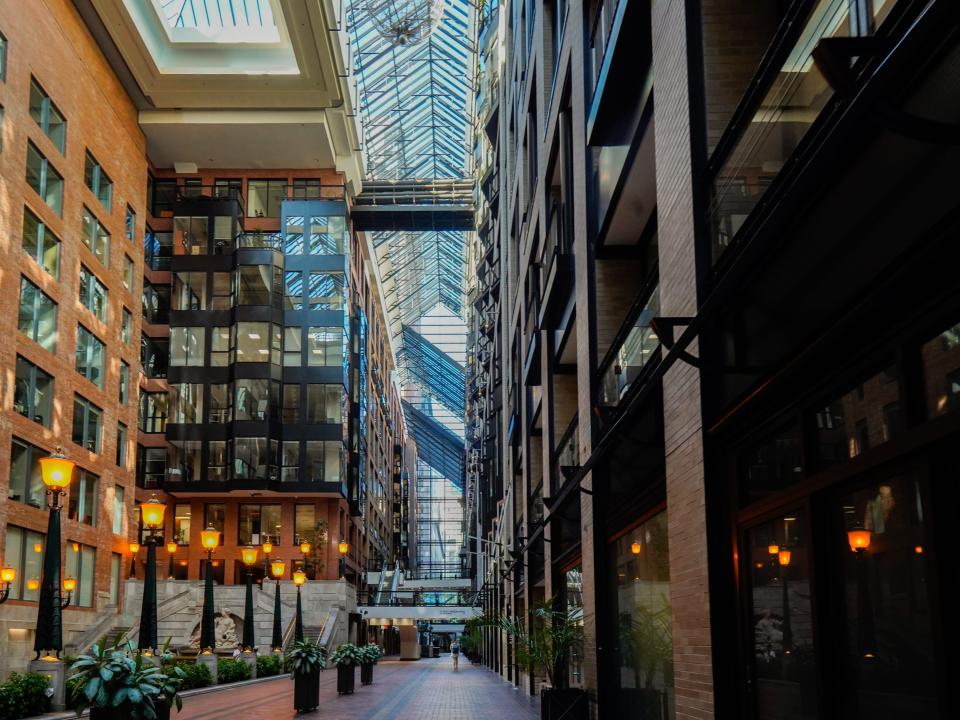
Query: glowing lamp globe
[249,555]
[134,548]
[635,548]
[56,470]
[69,584]
[859,539]
[171,547]
[773,549]
[305,547]
[783,556]
[267,548]
[277,568]
[299,578]
[152,513]
[343,547]
[8,575]
[210,538]
[33,584]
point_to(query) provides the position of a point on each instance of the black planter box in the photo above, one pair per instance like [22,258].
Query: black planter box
[123,713]
[366,673]
[565,704]
[647,703]
[345,679]
[306,691]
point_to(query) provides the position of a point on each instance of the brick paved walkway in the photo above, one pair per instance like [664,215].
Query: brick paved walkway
[421,690]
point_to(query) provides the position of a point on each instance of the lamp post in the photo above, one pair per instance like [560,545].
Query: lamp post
[267,548]
[299,578]
[134,549]
[7,576]
[56,472]
[151,514]
[859,538]
[305,548]
[171,551]
[69,584]
[209,538]
[343,547]
[249,555]
[277,568]
[783,558]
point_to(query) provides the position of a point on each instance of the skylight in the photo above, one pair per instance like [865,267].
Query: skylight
[219,21]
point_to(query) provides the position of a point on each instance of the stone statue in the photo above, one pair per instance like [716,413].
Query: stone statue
[224,631]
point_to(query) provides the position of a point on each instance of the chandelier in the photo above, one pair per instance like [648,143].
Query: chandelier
[405,22]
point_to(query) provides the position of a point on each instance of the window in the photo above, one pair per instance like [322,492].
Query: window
[327,235]
[290,461]
[95,237]
[3,58]
[155,303]
[126,327]
[37,315]
[91,355]
[24,553]
[306,189]
[192,233]
[186,403]
[82,505]
[250,458]
[87,424]
[293,291]
[44,178]
[264,197]
[304,524]
[213,515]
[128,272]
[941,371]
[130,224]
[26,485]
[151,466]
[323,460]
[33,392]
[154,356]
[256,400]
[222,296]
[292,342]
[119,512]
[81,566]
[116,564]
[221,346]
[325,291]
[40,243]
[47,116]
[121,445]
[181,523]
[186,346]
[185,461]
[291,404]
[228,188]
[253,284]
[161,194]
[189,291]
[217,462]
[324,403]
[153,412]
[255,341]
[123,387]
[221,407]
[157,249]
[254,521]
[293,235]
[93,294]
[98,181]
[192,187]
[324,346]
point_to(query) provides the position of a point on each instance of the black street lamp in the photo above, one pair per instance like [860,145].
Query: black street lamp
[299,578]
[249,555]
[209,538]
[134,549]
[56,472]
[171,551]
[151,514]
[343,547]
[7,576]
[277,568]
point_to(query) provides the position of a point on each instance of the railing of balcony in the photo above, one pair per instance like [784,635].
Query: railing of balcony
[555,241]
[635,346]
[271,241]
[567,454]
[788,96]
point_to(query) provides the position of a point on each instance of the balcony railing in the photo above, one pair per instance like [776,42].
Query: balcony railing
[634,350]
[271,241]
[568,452]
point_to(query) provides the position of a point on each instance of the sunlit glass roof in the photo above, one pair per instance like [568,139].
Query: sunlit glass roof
[227,21]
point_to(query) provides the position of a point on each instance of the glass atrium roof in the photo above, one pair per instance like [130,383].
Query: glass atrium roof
[234,21]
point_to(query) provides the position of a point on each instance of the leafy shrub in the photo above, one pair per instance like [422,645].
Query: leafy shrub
[33,692]
[268,665]
[74,691]
[348,655]
[229,671]
[195,675]
[11,701]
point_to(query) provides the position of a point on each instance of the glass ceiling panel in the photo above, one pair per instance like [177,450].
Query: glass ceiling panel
[234,21]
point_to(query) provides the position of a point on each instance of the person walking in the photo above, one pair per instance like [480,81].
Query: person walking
[455,651]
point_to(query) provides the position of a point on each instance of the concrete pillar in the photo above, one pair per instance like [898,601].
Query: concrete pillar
[56,673]
[210,660]
[250,658]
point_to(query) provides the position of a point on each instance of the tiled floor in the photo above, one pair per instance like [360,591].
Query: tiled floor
[421,690]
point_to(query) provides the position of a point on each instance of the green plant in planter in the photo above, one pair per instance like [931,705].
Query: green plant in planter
[348,655]
[269,665]
[551,635]
[192,674]
[230,671]
[117,680]
[306,657]
[371,653]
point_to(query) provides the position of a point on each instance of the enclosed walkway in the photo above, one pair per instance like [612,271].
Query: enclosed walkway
[421,690]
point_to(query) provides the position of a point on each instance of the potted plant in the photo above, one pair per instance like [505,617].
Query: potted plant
[115,684]
[346,657]
[545,643]
[305,662]
[371,653]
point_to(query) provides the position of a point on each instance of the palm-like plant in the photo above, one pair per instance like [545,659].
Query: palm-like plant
[306,657]
[549,638]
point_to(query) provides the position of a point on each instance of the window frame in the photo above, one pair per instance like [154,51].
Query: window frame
[31,409]
[85,439]
[47,108]
[96,180]
[40,242]
[46,169]
[35,313]
[87,342]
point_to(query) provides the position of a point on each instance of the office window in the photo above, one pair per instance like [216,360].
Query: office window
[98,181]
[221,346]
[155,303]
[304,524]
[40,243]
[3,58]
[327,234]
[119,511]
[189,291]
[222,296]
[186,403]
[325,291]
[157,249]
[126,327]
[44,178]
[181,523]
[116,564]
[941,371]
[186,346]
[81,565]
[130,224]
[151,466]
[306,189]
[154,356]
[324,403]
[93,294]
[228,188]
[221,406]
[121,445]
[33,392]
[255,521]
[26,485]
[47,116]
[37,315]
[87,424]
[213,514]
[324,346]
[293,235]
[255,399]
[192,233]
[291,404]
[82,505]
[323,460]
[250,458]
[185,460]
[91,356]
[24,553]
[161,194]
[217,460]
[153,412]
[290,461]
[254,284]
[95,236]
[264,197]
[258,342]
[292,346]
[123,388]
[128,272]
[293,291]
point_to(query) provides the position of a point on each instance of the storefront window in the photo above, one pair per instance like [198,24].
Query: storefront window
[643,646]
[257,520]
[941,371]
[573,604]
[181,523]
[772,465]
